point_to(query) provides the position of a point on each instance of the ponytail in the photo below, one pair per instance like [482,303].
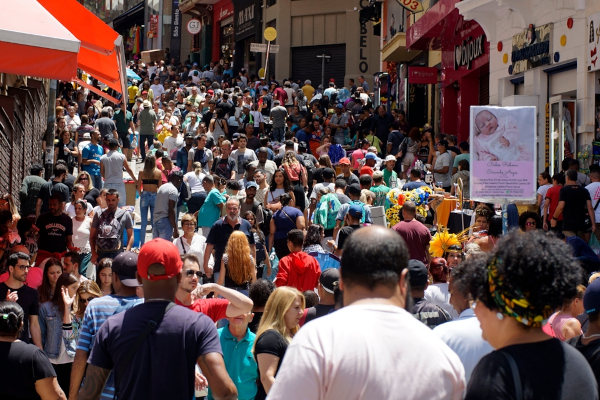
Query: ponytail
[11,318]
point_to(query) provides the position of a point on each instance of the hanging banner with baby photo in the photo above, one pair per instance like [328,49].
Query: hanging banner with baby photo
[503,167]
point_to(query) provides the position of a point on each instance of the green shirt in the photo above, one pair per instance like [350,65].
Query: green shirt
[210,212]
[122,121]
[239,362]
[462,156]
[381,192]
[390,178]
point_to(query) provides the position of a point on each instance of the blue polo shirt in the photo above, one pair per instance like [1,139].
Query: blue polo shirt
[220,232]
[239,362]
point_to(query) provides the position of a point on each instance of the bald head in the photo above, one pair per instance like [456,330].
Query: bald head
[373,256]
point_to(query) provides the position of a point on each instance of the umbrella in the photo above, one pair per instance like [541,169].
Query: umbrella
[132,75]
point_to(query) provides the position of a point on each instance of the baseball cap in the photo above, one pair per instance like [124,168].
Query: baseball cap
[329,279]
[339,106]
[591,297]
[251,184]
[353,189]
[366,170]
[159,251]
[355,211]
[302,146]
[344,161]
[189,136]
[147,104]
[417,273]
[371,156]
[328,173]
[389,157]
[377,174]
[125,266]
[86,135]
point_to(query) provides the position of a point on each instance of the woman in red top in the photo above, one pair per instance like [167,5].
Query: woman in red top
[551,202]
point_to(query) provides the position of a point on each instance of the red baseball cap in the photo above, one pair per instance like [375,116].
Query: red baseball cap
[344,160]
[366,170]
[159,251]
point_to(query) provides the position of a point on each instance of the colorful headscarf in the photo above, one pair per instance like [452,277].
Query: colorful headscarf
[512,302]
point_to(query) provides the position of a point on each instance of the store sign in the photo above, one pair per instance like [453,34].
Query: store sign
[245,19]
[423,75]
[224,11]
[176,31]
[194,26]
[593,49]
[153,29]
[469,50]
[363,65]
[531,48]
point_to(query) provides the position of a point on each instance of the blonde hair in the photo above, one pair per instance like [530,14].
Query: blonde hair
[273,317]
[90,287]
[240,266]
[197,167]
[189,217]
[89,186]
[290,158]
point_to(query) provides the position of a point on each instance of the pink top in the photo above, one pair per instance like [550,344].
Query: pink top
[555,324]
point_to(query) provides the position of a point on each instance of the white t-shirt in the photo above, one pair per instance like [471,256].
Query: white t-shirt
[81,234]
[319,186]
[443,160]
[194,181]
[594,189]
[463,336]
[370,351]
[438,293]
[70,209]
[542,192]
[171,143]
[196,248]
[208,154]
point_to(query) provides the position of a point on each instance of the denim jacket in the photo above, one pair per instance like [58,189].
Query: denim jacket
[52,332]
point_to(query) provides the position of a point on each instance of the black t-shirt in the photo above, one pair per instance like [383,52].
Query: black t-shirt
[350,179]
[575,210]
[22,365]
[49,189]
[29,302]
[91,196]
[54,231]
[253,325]
[318,311]
[270,342]
[163,365]
[429,313]
[223,167]
[549,370]
[591,352]
[220,232]
[344,233]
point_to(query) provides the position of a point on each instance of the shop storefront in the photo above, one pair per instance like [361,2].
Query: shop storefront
[462,64]
[247,24]
[222,43]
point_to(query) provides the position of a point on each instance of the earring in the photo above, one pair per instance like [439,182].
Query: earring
[500,316]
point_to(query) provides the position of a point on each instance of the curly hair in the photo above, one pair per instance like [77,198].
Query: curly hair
[484,210]
[532,268]
[530,214]
[438,268]
[259,292]
[240,265]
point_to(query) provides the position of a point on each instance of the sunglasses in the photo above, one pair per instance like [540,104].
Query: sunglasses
[191,273]
[23,267]
[530,224]
[84,178]
[84,300]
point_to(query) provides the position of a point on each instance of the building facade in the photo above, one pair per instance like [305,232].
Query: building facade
[540,56]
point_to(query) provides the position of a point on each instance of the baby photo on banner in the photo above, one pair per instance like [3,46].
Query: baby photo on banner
[503,153]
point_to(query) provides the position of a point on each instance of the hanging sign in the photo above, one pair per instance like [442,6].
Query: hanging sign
[593,48]
[194,26]
[411,5]
[531,48]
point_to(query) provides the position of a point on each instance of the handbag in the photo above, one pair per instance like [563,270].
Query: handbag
[587,222]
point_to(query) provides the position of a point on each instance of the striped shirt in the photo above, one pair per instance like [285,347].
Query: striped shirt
[98,311]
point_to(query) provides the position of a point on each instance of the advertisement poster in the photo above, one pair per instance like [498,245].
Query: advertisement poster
[531,48]
[503,166]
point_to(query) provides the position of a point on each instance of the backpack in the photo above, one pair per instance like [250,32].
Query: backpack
[200,156]
[109,229]
[327,210]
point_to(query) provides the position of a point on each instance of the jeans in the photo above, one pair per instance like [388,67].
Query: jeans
[162,229]
[121,189]
[142,144]
[278,134]
[147,200]
[97,181]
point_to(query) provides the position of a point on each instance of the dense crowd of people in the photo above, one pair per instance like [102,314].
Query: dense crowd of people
[297,251]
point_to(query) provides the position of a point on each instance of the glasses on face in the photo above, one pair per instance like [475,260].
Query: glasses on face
[23,267]
[188,223]
[529,223]
[84,178]
[190,273]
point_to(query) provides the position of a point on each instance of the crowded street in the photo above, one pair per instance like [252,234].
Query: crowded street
[292,199]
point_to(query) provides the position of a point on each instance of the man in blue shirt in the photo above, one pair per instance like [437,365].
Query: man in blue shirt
[236,343]
[90,159]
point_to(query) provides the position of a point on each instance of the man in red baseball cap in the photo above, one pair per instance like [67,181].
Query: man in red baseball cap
[347,174]
[153,348]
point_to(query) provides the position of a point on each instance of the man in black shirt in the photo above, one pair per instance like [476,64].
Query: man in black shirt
[14,289]
[328,281]
[352,223]
[55,186]
[574,203]
[56,230]
[425,311]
